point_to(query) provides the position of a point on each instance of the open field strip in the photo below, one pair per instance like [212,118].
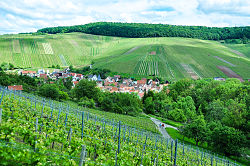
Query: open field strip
[63,60]
[225,61]
[230,73]
[47,48]
[190,71]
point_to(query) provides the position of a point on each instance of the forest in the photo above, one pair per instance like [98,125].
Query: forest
[143,30]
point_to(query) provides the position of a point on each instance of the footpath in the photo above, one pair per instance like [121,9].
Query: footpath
[162,129]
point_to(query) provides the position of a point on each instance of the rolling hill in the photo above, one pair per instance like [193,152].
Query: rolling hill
[172,58]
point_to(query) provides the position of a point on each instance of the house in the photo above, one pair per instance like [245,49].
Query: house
[75,83]
[28,73]
[108,79]
[114,89]
[79,76]
[92,77]
[117,76]
[219,79]
[41,71]
[142,82]
[66,70]
[99,79]
[44,76]
[16,87]
[141,94]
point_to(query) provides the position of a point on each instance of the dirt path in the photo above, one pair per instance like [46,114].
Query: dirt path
[230,73]
[132,50]
[162,129]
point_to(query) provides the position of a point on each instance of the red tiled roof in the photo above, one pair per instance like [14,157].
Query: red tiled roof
[141,94]
[141,81]
[28,72]
[75,82]
[72,74]
[43,76]
[15,87]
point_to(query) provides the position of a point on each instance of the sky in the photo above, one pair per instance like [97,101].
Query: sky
[18,16]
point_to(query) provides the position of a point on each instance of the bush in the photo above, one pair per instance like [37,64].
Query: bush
[85,102]
[49,90]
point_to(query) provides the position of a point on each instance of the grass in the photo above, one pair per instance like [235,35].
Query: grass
[172,123]
[114,53]
[175,134]
[242,48]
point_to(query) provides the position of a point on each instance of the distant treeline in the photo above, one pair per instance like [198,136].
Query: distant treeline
[143,30]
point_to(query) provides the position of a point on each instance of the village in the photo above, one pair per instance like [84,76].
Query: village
[113,84]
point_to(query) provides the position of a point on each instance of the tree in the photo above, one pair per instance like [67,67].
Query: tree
[197,129]
[149,105]
[86,88]
[228,140]
[215,111]
[11,66]
[49,90]
[67,82]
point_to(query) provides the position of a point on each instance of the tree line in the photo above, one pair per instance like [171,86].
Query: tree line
[143,30]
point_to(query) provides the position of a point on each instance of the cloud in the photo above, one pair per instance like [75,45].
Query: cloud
[30,15]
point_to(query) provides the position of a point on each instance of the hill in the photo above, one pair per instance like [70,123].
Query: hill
[170,58]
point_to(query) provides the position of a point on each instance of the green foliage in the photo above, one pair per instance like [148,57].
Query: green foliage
[228,140]
[121,103]
[197,129]
[185,108]
[86,88]
[177,115]
[85,102]
[140,30]
[50,91]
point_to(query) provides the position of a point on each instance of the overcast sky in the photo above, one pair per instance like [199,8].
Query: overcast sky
[29,15]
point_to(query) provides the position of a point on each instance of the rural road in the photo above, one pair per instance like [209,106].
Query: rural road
[162,129]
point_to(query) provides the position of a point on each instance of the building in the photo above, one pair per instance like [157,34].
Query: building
[16,87]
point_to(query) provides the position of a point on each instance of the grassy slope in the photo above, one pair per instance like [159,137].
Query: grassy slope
[112,52]
[242,48]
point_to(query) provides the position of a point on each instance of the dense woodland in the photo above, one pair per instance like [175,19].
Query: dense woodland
[142,30]
[213,112]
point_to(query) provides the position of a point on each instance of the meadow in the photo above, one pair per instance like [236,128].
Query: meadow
[171,58]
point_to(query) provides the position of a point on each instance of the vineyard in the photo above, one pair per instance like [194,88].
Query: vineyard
[148,65]
[36,131]
[160,57]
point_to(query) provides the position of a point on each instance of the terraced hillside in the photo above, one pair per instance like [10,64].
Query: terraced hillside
[170,58]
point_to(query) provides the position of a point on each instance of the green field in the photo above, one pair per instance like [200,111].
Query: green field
[242,48]
[170,58]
